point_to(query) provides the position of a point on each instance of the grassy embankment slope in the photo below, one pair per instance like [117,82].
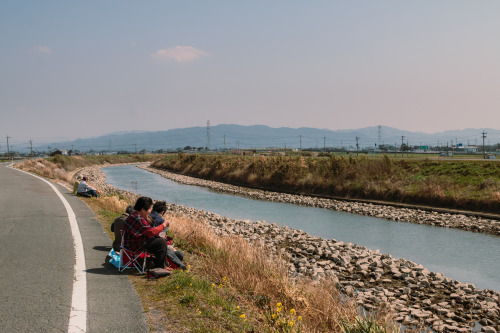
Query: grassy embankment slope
[231,286]
[468,185]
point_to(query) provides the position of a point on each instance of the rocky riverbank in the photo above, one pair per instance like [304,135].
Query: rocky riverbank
[410,290]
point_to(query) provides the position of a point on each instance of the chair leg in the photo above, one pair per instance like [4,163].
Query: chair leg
[133,261]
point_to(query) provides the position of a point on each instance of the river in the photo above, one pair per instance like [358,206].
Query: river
[460,255]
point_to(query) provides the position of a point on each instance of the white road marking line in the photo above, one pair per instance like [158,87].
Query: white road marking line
[78,314]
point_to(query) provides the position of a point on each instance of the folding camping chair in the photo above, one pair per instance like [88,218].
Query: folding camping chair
[130,259]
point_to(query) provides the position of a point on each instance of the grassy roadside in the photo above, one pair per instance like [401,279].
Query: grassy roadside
[232,286]
[469,185]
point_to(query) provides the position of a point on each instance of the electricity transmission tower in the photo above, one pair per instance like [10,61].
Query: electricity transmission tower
[208,135]
[484,150]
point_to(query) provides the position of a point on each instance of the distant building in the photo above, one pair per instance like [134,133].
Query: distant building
[467,149]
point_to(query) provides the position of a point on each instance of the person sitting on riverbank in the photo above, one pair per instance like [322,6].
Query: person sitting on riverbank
[117,225]
[174,258]
[85,190]
[138,234]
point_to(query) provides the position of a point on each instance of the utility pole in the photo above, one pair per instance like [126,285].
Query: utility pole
[357,145]
[31,148]
[224,141]
[324,143]
[379,135]
[484,149]
[300,138]
[402,143]
[8,151]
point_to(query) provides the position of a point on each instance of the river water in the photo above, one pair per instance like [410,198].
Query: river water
[460,255]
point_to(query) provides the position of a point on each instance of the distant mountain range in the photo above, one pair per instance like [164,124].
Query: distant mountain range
[260,136]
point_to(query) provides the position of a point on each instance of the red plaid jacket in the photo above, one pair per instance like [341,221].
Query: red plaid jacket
[137,232]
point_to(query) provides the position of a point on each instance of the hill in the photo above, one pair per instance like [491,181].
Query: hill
[260,136]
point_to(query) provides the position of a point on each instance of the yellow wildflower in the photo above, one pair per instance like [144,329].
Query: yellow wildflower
[242,316]
[290,323]
[292,312]
[299,318]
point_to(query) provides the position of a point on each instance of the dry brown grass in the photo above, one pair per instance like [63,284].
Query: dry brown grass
[252,272]
[113,204]
[468,185]
[46,169]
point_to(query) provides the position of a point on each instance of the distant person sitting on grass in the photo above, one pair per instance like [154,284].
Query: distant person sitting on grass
[85,190]
[139,235]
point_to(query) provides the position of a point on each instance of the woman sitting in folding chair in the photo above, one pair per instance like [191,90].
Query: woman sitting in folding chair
[139,235]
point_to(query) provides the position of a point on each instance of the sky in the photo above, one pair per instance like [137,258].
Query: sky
[75,69]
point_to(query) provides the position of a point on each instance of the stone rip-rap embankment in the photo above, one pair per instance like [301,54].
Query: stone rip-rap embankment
[415,294]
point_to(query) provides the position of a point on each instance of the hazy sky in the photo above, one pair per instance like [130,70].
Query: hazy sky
[86,68]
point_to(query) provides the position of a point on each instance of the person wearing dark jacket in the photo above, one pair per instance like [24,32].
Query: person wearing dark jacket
[116,227]
[159,209]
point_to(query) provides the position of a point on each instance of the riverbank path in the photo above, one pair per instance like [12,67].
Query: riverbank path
[53,271]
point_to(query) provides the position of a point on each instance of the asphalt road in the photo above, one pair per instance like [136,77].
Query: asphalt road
[37,258]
